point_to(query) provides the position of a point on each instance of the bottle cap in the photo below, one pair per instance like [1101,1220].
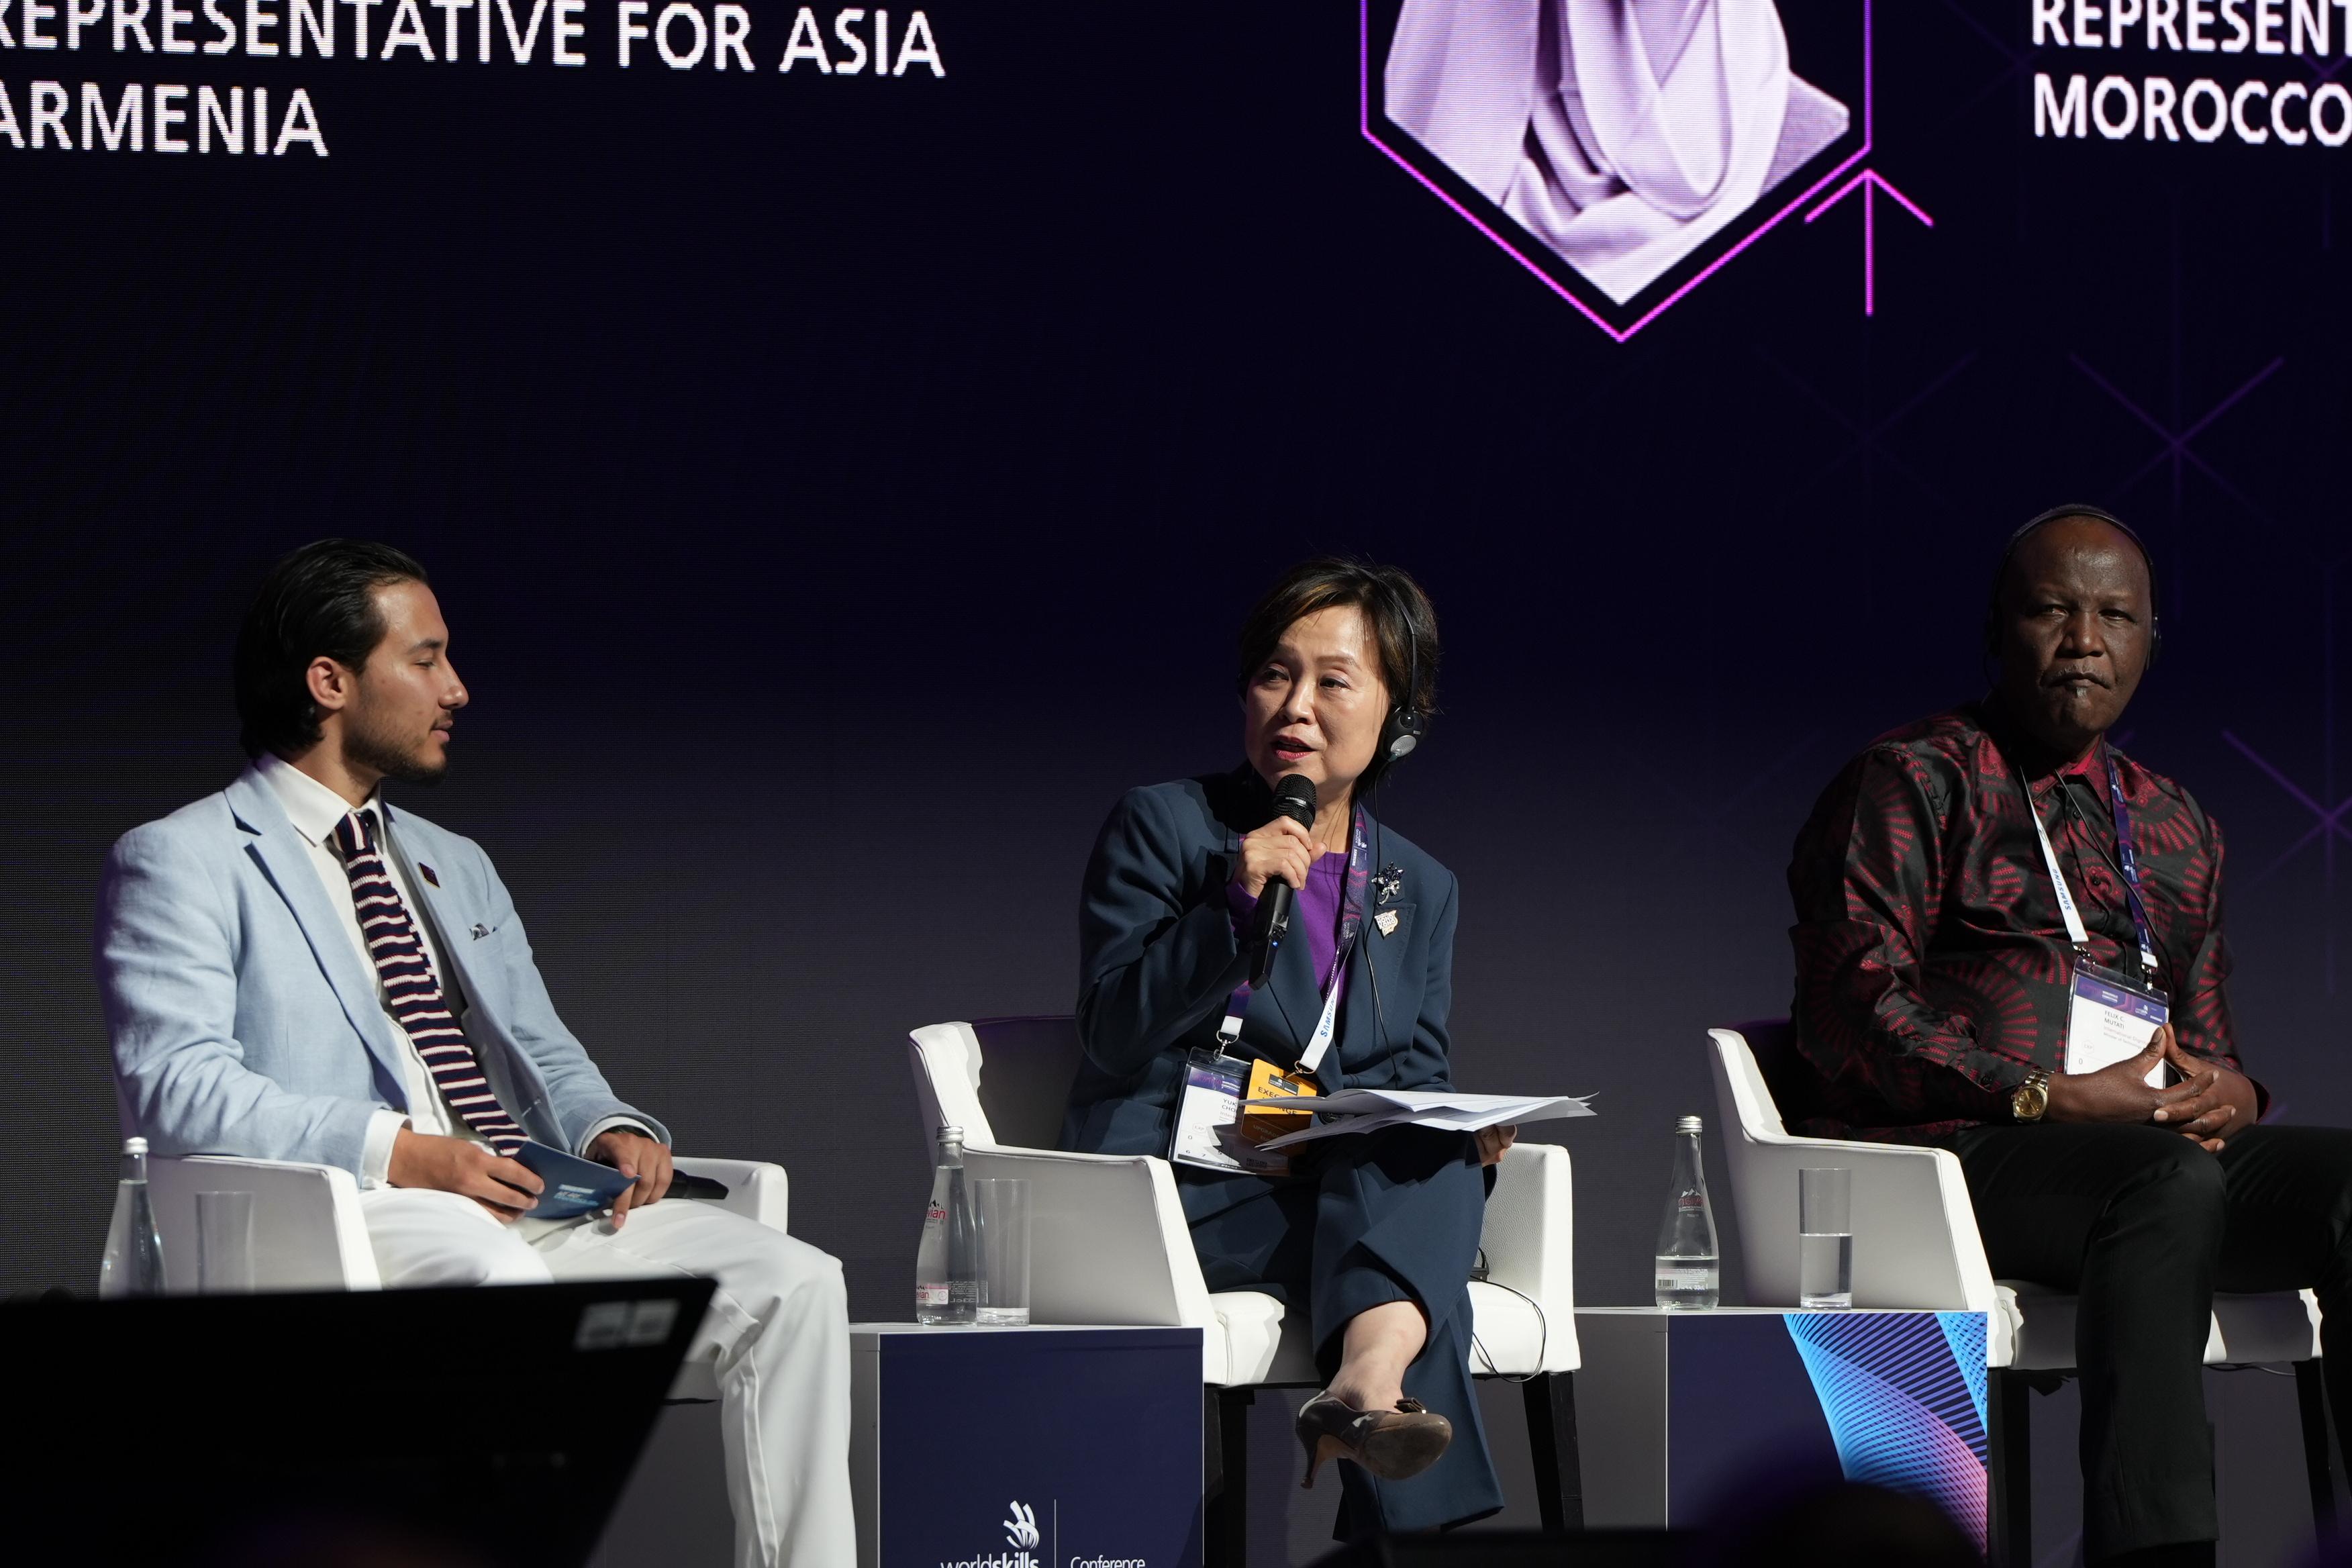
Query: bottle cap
[134,1145]
[954,1133]
[1687,1124]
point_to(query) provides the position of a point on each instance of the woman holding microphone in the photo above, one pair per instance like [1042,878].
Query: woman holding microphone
[1370,1236]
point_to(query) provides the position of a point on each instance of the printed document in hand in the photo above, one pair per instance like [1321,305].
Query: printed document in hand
[1370,1109]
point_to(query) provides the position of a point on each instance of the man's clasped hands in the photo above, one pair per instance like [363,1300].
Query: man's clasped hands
[2210,1105]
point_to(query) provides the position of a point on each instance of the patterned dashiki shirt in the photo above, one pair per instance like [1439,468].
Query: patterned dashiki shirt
[1933,965]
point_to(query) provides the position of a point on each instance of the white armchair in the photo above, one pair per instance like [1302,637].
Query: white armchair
[307,1234]
[1110,1246]
[1915,1245]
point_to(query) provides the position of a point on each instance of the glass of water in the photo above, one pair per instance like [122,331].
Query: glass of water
[1825,1238]
[1001,1208]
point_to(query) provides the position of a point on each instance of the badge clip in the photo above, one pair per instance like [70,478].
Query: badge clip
[1266,1081]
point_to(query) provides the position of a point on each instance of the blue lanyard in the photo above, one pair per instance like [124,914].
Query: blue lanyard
[2129,859]
[2126,858]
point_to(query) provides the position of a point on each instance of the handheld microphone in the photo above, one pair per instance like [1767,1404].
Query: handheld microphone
[1294,797]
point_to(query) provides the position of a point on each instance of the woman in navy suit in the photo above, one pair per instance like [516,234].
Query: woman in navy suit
[1373,1236]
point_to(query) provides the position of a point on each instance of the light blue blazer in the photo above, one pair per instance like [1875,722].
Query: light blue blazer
[244,1022]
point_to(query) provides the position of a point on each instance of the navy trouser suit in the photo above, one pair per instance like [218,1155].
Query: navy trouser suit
[1363,1220]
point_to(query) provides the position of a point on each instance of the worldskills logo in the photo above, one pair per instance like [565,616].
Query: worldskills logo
[1024,1536]
[1021,1532]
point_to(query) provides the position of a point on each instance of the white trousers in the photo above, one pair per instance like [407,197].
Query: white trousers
[777,1337]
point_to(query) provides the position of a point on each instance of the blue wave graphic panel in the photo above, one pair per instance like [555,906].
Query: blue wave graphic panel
[1965,1332]
[1904,1394]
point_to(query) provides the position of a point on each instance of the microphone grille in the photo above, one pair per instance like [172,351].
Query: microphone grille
[1293,796]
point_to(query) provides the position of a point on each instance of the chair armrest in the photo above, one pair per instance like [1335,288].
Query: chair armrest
[1530,1239]
[306,1230]
[755,1189]
[1108,1242]
[945,1058]
[1915,1244]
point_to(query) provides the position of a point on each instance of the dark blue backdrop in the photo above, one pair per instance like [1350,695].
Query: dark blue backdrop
[841,489]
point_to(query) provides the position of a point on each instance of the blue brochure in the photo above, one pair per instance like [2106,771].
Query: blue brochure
[574,1186]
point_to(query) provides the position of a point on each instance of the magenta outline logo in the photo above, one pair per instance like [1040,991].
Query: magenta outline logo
[1516,247]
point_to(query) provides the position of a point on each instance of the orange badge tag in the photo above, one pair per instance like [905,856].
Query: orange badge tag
[1266,1081]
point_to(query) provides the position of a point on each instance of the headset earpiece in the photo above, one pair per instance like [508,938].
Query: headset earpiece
[1406,724]
[1404,728]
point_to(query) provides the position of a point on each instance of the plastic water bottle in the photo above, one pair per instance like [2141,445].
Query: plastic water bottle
[134,1252]
[1690,1270]
[947,1266]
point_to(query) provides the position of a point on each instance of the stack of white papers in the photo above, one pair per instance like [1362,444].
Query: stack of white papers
[1370,1109]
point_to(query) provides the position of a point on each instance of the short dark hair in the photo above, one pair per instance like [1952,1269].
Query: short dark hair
[1404,623]
[320,599]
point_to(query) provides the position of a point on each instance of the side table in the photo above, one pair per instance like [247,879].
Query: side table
[1693,1404]
[1036,1447]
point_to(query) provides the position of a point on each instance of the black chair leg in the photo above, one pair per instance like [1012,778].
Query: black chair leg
[2319,1453]
[1224,1477]
[2010,1528]
[1551,1438]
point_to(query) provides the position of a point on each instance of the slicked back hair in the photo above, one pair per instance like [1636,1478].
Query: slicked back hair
[320,599]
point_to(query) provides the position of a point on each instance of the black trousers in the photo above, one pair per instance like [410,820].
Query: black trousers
[2144,1226]
[1384,1216]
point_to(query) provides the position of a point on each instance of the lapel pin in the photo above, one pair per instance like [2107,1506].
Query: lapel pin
[1387,920]
[427,872]
[1388,884]
[480,930]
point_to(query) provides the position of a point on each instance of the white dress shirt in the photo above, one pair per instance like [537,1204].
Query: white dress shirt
[315,810]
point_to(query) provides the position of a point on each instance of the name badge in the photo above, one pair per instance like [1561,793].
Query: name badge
[2110,1018]
[1208,1120]
[1267,1082]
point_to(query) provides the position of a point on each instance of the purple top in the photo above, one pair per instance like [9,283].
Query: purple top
[1316,916]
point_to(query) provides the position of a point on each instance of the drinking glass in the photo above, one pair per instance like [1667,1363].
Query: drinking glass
[1003,1208]
[224,1243]
[1825,1238]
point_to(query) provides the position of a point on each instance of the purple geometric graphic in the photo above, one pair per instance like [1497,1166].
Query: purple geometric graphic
[1867,432]
[1905,1397]
[1747,228]
[2174,439]
[1870,183]
[2325,819]
[2327,822]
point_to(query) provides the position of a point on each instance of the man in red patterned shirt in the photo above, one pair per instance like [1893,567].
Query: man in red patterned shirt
[1935,967]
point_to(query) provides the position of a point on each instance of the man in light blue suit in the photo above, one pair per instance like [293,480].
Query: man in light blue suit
[294,971]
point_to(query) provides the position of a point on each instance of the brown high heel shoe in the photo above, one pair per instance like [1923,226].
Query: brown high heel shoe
[1392,1444]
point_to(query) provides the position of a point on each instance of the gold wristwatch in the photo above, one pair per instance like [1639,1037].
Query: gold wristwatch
[2030,1100]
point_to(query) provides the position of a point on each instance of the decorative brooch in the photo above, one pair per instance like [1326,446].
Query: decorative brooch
[1387,884]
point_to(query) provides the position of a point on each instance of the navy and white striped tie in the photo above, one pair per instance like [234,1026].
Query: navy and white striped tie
[413,993]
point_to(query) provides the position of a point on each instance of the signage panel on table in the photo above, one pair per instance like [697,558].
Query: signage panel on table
[1037,1448]
[1707,1404]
